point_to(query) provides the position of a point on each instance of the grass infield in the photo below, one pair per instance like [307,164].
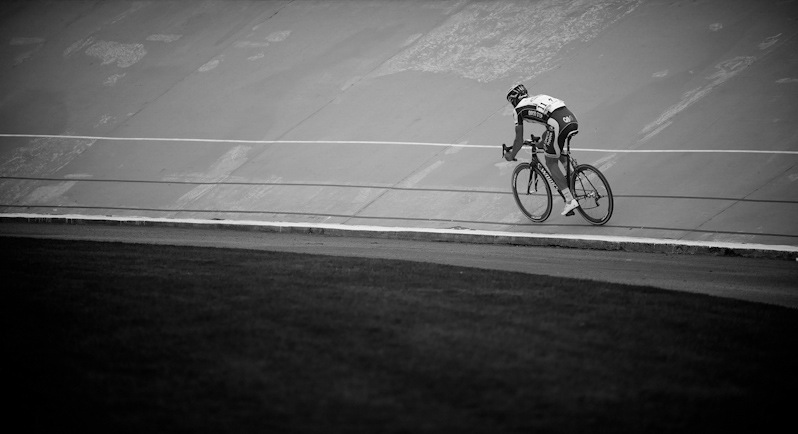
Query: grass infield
[139,338]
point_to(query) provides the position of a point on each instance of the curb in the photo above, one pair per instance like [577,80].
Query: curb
[629,244]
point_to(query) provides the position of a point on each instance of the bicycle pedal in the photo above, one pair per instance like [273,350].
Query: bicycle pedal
[570,213]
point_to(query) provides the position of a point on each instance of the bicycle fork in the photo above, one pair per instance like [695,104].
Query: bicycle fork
[532,185]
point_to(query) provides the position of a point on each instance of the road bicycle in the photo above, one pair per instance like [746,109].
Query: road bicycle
[532,182]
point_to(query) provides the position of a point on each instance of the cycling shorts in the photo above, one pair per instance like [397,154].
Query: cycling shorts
[559,127]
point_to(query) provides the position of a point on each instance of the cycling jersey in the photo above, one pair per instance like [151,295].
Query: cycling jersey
[536,108]
[560,123]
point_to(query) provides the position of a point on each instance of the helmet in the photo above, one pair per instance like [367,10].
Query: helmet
[516,93]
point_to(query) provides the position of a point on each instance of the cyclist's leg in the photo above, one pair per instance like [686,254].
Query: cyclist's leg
[553,152]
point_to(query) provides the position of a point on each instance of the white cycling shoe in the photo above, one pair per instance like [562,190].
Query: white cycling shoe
[570,207]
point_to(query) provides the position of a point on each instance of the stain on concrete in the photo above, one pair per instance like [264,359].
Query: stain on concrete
[43,156]
[124,55]
[168,38]
[278,36]
[211,64]
[30,44]
[112,79]
[78,46]
[493,40]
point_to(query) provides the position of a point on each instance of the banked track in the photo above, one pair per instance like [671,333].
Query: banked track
[391,113]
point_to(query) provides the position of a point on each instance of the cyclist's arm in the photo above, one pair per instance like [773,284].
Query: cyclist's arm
[518,142]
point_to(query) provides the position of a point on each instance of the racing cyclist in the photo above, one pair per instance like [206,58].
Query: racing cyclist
[560,124]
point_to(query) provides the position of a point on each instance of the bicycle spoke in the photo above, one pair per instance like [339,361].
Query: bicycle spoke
[593,193]
[534,195]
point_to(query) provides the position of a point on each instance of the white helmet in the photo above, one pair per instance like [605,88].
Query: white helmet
[516,93]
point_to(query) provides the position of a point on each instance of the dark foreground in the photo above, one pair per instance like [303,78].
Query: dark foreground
[134,338]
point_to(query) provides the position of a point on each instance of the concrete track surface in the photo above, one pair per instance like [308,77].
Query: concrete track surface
[391,113]
[750,279]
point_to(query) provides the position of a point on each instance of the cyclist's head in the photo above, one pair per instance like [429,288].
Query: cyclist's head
[516,93]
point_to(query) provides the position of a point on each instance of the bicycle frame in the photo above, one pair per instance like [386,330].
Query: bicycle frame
[570,163]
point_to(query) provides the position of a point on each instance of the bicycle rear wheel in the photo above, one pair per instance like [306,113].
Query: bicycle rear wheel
[591,189]
[531,192]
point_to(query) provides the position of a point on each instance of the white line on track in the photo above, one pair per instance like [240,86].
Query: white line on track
[365,142]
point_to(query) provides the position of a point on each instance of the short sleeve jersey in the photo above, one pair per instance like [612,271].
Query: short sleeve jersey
[536,108]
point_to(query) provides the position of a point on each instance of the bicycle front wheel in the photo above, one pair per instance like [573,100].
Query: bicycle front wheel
[591,189]
[531,192]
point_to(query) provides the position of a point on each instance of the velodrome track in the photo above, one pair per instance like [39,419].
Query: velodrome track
[390,114]
[762,280]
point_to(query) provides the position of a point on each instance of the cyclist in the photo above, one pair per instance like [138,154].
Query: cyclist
[560,125]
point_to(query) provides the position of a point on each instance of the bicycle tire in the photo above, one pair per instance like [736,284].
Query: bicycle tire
[535,205]
[591,189]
